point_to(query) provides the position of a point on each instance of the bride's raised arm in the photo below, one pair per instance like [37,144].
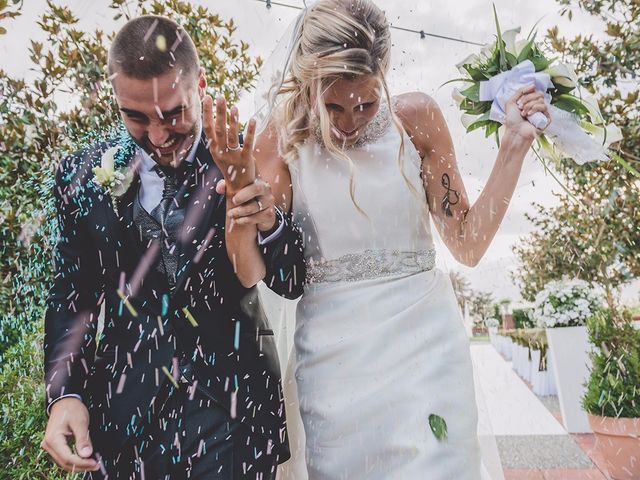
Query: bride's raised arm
[467,230]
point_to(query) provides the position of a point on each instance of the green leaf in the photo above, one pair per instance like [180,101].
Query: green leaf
[438,427]
[491,129]
[475,73]
[468,80]
[512,61]
[624,163]
[482,121]
[475,108]
[558,90]
[572,104]
[539,61]
[478,124]
[526,51]
[503,58]
[472,93]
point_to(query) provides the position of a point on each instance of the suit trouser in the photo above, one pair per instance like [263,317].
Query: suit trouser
[192,438]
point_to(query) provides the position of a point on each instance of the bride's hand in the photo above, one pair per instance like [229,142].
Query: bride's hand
[235,162]
[524,103]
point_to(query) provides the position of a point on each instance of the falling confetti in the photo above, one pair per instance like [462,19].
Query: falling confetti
[161,43]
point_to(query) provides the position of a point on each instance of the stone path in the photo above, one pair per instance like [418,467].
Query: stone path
[531,441]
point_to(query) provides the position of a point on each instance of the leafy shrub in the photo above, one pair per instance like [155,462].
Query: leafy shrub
[613,389]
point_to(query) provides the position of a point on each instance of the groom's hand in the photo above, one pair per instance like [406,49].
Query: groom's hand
[255,205]
[69,419]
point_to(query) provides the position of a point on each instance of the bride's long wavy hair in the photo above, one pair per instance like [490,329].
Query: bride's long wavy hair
[338,39]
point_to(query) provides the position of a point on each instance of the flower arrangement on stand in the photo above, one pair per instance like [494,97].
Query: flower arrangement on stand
[562,308]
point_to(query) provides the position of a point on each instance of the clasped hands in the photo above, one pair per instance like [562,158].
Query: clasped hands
[251,197]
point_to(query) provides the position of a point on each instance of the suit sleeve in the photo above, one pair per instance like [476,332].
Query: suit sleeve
[284,261]
[72,305]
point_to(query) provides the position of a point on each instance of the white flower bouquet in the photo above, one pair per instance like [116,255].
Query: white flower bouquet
[566,303]
[493,76]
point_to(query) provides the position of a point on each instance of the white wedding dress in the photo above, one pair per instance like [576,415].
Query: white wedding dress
[380,345]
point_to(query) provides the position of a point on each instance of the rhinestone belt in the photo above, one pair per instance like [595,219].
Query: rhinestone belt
[370,264]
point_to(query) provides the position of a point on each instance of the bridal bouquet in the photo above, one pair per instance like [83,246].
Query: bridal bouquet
[566,303]
[577,129]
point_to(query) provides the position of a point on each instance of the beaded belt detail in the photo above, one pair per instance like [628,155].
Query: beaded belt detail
[370,264]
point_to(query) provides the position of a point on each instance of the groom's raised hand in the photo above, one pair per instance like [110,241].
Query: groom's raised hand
[69,420]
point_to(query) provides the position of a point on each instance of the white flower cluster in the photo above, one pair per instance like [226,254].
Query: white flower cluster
[565,303]
[492,323]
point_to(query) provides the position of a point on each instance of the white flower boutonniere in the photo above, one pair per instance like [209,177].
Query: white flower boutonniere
[115,181]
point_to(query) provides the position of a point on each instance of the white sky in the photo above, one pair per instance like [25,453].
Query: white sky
[417,65]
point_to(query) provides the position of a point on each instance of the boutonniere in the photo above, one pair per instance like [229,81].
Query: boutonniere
[115,180]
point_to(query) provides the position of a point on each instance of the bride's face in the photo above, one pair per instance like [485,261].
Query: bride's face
[351,105]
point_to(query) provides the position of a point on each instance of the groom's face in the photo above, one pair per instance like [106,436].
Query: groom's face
[162,114]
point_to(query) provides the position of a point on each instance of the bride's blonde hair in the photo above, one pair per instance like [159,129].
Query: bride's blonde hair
[338,39]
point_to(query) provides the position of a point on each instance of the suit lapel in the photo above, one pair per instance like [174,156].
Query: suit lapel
[202,200]
[132,241]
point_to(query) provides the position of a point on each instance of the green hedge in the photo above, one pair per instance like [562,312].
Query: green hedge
[613,389]
[23,415]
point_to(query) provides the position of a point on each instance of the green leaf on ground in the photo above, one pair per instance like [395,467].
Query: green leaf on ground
[438,427]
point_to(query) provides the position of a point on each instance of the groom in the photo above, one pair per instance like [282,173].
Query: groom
[183,381]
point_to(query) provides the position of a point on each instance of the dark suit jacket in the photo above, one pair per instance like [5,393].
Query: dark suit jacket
[210,319]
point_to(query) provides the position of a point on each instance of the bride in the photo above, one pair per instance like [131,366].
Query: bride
[382,363]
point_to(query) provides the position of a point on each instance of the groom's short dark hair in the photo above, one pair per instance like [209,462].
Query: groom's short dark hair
[150,46]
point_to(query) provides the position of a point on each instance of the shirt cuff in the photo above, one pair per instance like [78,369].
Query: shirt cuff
[276,233]
[74,395]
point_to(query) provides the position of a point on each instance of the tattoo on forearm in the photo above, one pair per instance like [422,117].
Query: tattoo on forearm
[447,201]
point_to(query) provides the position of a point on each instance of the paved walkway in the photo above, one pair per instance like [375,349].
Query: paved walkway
[532,443]
[512,407]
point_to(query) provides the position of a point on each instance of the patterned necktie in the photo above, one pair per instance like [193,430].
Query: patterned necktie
[170,217]
[170,178]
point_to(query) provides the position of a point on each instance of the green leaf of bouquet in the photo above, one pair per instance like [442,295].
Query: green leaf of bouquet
[492,70]
[539,60]
[491,128]
[512,61]
[526,52]
[475,108]
[438,427]
[624,163]
[478,124]
[475,73]
[482,121]
[468,80]
[558,90]
[503,59]
[472,93]
[572,104]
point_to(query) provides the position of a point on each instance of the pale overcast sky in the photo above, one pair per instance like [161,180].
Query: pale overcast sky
[417,65]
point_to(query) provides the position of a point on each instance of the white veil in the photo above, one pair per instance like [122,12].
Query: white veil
[274,72]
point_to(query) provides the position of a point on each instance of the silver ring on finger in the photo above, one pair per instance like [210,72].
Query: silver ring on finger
[260,207]
[233,149]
